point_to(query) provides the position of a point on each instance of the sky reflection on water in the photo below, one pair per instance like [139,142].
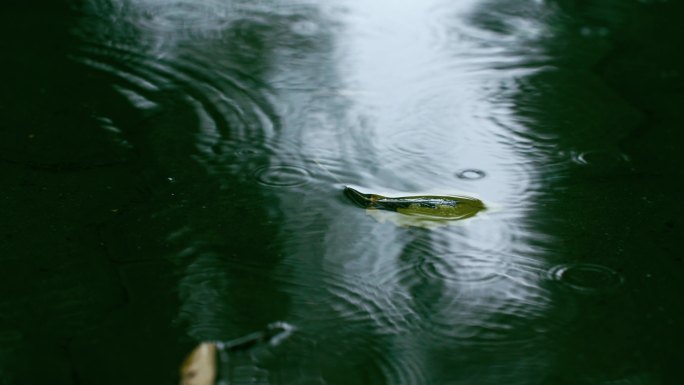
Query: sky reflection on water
[393,97]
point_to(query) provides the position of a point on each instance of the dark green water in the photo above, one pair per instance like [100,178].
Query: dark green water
[172,172]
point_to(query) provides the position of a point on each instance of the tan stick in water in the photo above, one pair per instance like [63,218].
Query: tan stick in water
[199,368]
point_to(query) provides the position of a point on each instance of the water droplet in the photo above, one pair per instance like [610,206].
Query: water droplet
[282,176]
[471,174]
[586,278]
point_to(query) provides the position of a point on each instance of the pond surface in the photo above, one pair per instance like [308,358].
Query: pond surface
[173,172]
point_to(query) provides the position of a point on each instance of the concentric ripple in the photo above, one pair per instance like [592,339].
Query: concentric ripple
[170,16]
[401,367]
[496,317]
[461,268]
[229,110]
[427,143]
[586,278]
[371,306]
[282,176]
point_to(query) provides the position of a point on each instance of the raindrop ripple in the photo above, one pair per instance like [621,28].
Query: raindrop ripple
[586,278]
[282,176]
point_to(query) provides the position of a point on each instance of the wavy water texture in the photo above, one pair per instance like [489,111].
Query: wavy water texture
[425,94]
[261,112]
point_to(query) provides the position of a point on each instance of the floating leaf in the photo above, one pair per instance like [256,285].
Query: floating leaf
[422,209]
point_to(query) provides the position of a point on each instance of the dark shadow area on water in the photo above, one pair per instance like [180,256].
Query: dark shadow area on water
[98,200]
[604,114]
[65,300]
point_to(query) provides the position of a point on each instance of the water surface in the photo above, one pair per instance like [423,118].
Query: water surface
[175,174]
